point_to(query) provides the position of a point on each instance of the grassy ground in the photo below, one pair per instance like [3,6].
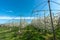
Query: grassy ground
[28,33]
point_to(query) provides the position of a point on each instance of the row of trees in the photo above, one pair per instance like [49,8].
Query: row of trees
[38,30]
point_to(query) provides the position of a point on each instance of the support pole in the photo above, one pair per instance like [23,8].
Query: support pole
[54,36]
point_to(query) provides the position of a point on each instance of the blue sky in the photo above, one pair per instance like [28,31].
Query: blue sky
[22,7]
[16,8]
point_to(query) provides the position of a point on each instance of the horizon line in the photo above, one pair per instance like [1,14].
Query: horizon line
[7,17]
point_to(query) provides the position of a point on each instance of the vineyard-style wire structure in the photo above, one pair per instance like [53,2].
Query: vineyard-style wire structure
[50,11]
[37,15]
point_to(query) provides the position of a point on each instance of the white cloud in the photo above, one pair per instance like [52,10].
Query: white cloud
[5,17]
[9,11]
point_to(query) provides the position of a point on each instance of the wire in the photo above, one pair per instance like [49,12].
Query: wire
[38,5]
[44,10]
[47,10]
[55,2]
[44,6]
[41,8]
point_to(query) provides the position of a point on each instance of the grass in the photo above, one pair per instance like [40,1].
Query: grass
[29,32]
